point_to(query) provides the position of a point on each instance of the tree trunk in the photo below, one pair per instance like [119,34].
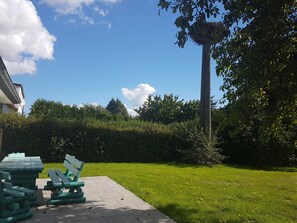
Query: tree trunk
[205,110]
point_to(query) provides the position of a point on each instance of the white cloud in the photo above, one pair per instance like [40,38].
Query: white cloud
[93,104]
[77,7]
[23,38]
[73,7]
[139,94]
[132,112]
[87,19]
[110,1]
[100,11]
[80,105]
[67,6]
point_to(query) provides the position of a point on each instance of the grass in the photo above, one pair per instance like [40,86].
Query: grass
[192,194]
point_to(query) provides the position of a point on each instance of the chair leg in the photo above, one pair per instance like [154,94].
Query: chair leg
[73,195]
[18,217]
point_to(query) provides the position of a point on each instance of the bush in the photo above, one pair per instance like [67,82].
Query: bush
[203,151]
[197,147]
[251,146]
[91,141]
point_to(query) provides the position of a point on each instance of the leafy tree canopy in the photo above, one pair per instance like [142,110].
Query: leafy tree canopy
[49,109]
[257,57]
[168,109]
[192,17]
[259,62]
[116,107]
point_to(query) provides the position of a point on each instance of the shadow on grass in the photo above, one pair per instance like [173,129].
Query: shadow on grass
[178,213]
[264,168]
[185,165]
[195,215]
[245,167]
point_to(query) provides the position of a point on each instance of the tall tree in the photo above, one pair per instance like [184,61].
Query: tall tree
[164,110]
[168,109]
[116,107]
[259,66]
[205,35]
[202,33]
[42,108]
[257,56]
[190,110]
[257,59]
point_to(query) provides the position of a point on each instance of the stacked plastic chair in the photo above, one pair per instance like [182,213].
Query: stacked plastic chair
[14,204]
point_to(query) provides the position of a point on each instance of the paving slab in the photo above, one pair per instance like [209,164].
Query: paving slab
[107,202]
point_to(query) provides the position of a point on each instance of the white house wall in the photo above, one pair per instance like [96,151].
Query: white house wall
[20,106]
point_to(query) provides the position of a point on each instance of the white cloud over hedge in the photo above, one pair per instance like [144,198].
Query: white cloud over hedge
[139,94]
[23,38]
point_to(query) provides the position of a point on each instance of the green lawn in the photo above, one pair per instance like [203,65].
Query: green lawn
[201,194]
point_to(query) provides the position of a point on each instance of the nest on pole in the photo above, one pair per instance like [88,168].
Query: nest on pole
[207,32]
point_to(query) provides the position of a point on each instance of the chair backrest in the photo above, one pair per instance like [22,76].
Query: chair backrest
[74,167]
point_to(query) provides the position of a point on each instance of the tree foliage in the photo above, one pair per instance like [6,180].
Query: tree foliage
[192,17]
[257,59]
[257,56]
[190,110]
[116,107]
[259,66]
[56,110]
[168,109]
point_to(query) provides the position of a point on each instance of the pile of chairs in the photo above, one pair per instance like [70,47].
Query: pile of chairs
[14,201]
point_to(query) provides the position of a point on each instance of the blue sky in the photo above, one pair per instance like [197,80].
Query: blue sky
[89,51]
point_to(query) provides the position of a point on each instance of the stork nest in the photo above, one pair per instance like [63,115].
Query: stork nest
[207,32]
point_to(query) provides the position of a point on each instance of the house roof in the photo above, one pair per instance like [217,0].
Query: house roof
[8,93]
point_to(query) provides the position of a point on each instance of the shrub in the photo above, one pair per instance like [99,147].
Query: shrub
[91,141]
[197,147]
[203,151]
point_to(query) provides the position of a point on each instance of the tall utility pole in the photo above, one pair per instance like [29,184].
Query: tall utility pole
[205,34]
[205,104]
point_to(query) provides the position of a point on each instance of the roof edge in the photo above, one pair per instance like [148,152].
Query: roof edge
[7,85]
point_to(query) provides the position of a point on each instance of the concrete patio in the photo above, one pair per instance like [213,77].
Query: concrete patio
[107,202]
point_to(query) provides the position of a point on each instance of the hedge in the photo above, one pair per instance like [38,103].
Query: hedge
[91,141]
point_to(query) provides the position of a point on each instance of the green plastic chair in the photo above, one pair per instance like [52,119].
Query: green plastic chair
[14,205]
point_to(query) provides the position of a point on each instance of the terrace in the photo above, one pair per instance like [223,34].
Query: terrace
[107,202]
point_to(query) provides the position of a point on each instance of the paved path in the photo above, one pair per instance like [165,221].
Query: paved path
[107,202]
